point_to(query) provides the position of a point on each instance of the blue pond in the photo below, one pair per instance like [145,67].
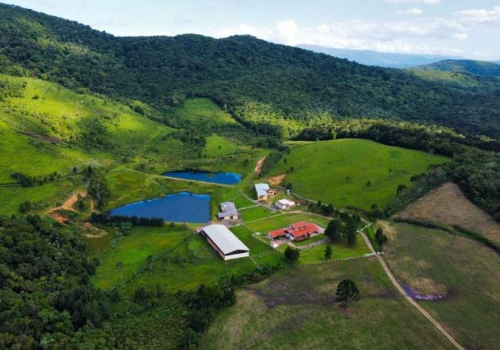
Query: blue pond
[181,207]
[217,178]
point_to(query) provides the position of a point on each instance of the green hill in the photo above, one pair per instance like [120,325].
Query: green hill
[340,171]
[480,68]
[275,89]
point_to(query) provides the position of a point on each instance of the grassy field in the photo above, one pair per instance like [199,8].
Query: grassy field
[465,273]
[256,213]
[256,246]
[435,207]
[190,261]
[283,220]
[296,310]
[340,170]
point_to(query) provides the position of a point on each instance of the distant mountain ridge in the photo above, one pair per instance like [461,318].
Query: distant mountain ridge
[380,59]
[480,68]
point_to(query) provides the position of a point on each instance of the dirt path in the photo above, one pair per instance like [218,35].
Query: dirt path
[407,297]
[68,204]
[258,166]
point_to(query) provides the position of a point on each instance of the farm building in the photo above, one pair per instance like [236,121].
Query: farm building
[225,242]
[264,191]
[298,231]
[284,204]
[228,211]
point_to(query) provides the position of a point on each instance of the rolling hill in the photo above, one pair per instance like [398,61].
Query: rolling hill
[479,68]
[375,58]
[268,87]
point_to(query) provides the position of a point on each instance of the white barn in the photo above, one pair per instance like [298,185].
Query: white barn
[284,204]
[225,242]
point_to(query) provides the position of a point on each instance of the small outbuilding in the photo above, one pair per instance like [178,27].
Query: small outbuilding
[225,243]
[228,211]
[284,204]
[264,191]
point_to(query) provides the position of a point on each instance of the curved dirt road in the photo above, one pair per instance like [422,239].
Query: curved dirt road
[407,297]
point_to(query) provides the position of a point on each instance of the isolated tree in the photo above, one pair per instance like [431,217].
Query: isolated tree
[346,290]
[75,170]
[368,184]
[150,261]
[289,186]
[334,230]
[292,254]
[328,252]
[119,267]
[380,237]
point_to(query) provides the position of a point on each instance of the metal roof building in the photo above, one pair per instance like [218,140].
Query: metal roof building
[261,190]
[229,211]
[225,242]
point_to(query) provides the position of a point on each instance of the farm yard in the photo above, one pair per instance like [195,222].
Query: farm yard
[351,172]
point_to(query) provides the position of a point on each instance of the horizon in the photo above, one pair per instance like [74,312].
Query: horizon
[414,27]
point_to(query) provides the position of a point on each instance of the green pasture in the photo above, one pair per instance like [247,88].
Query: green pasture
[282,220]
[256,213]
[191,261]
[337,172]
[256,246]
[296,310]
[433,262]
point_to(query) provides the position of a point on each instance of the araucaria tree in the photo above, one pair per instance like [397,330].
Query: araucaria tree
[381,238]
[291,254]
[328,252]
[346,291]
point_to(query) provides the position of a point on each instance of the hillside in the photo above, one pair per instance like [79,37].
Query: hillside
[274,89]
[480,68]
[376,58]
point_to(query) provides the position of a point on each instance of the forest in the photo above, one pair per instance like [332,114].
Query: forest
[238,72]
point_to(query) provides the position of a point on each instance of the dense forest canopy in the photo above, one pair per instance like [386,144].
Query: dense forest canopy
[291,83]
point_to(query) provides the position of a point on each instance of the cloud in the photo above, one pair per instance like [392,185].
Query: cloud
[480,16]
[429,2]
[412,11]
[356,34]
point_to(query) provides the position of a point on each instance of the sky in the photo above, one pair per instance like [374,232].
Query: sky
[465,28]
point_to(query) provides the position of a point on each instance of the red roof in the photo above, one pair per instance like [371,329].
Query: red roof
[298,225]
[303,230]
[297,229]
[277,233]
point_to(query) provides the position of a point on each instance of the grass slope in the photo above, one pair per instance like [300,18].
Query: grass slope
[296,310]
[337,172]
[434,262]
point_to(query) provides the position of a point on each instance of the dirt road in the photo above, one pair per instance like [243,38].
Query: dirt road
[258,166]
[410,299]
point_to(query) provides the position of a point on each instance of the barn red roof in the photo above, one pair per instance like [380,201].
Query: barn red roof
[277,233]
[303,230]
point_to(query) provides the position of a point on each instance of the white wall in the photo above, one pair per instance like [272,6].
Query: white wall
[236,256]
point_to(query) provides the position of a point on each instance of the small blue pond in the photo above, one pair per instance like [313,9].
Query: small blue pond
[217,178]
[181,207]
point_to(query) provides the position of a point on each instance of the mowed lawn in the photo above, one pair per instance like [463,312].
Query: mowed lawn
[296,310]
[282,220]
[337,172]
[466,273]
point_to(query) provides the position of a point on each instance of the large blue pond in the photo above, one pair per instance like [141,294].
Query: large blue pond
[218,178]
[181,207]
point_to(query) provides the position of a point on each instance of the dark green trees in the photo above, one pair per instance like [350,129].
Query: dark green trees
[291,254]
[334,230]
[99,188]
[328,252]
[346,290]
[381,238]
